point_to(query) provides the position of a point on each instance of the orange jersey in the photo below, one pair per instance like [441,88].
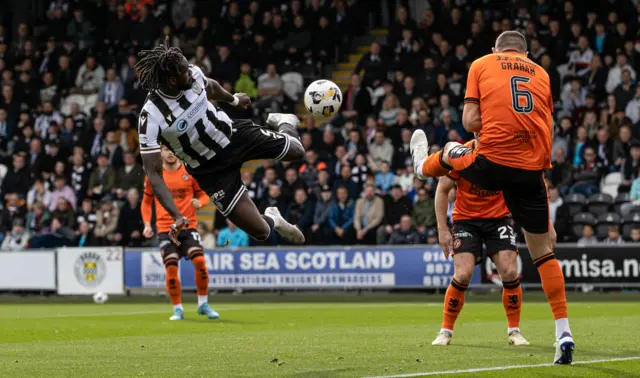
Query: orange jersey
[475,203]
[183,189]
[516,108]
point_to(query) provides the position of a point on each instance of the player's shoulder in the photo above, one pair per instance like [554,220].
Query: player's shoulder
[483,61]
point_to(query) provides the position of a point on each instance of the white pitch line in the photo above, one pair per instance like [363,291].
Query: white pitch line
[477,370]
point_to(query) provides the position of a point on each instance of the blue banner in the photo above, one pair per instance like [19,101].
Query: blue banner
[374,267]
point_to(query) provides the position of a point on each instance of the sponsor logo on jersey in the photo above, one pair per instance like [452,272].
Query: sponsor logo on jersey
[182,125]
[462,234]
[90,269]
[196,88]
[185,177]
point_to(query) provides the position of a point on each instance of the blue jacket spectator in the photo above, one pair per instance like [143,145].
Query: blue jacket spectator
[232,236]
[385,179]
[341,217]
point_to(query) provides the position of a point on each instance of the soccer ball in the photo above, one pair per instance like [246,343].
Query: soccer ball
[100,298]
[323,97]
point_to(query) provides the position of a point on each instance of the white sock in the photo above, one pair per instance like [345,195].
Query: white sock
[202,299]
[418,170]
[509,330]
[276,220]
[562,326]
[178,306]
[449,331]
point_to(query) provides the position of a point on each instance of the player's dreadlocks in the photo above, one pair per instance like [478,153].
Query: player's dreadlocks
[157,65]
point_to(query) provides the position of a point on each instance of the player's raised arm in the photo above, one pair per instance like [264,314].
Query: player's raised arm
[149,129]
[445,184]
[216,92]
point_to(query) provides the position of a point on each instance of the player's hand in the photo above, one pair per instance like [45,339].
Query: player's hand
[178,225]
[148,231]
[243,100]
[196,204]
[446,242]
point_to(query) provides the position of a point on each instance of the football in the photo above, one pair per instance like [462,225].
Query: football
[323,97]
[100,298]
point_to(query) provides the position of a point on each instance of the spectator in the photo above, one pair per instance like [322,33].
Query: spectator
[130,225]
[405,233]
[300,211]
[614,78]
[17,239]
[588,238]
[341,218]
[130,176]
[112,90]
[356,103]
[586,176]
[635,235]
[395,206]
[573,97]
[46,117]
[80,30]
[79,175]
[625,91]
[38,219]
[38,194]
[374,65]
[84,236]
[17,179]
[310,167]
[560,174]
[246,83]
[88,82]
[632,110]
[424,213]
[112,150]
[580,59]
[14,209]
[630,167]
[319,228]
[207,238]
[555,201]
[106,223]
[597,79]
[87,214]
[231,236]
[613,236]
[272,199]
[390,108]
[270,90]
[604,148]
[64,213]
[380,151]
[344,180]
[291,184]
[385,178]
[102,179]
[62,190]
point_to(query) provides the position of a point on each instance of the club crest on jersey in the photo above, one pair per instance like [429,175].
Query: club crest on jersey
[196,88]
[182,125]
[185,177]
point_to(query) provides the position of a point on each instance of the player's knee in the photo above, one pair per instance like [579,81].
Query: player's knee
[170,259]
[263,233]
[509,274]
[296,151]
[463,276]
[195,252]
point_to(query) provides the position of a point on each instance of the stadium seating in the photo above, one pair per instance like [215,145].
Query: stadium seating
[580,220]
[576,203]
[604,221]
[599,203]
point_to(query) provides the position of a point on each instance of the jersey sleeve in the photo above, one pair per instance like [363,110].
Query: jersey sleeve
[149,132]
[198,193]
[147,202]
[473,84]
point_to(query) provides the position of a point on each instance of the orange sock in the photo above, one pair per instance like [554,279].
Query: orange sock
[433,166]
[553,284]
[173,281]
[512,302]
[453,302]
[201,273]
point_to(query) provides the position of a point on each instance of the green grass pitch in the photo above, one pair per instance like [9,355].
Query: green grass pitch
[303,338]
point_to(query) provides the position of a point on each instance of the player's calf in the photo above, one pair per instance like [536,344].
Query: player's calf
[172,282]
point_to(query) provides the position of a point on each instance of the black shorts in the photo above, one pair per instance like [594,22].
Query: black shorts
[188,239]
[525,192]
[496,234]
[220,176]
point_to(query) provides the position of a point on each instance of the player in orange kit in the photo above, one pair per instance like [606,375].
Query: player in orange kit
[188,197]
[479,217]
[508,102]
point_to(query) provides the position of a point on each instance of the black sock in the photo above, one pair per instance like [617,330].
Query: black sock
[269,221]
[288,129]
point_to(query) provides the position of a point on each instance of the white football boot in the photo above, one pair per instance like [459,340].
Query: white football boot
[419,147]
[444,338]
[288,231]
[516,338]
[274,120]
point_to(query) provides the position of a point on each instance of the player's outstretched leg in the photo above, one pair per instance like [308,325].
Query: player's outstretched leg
[506,263]
[426,165]
[201,273]
[553,285]
[172,281]
[246,216]
[454,298]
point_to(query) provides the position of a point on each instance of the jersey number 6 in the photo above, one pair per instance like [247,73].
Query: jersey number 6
[521,99]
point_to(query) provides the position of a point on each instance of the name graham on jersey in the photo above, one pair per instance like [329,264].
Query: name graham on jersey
[199,105]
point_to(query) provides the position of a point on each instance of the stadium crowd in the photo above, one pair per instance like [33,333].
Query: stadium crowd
[71,173]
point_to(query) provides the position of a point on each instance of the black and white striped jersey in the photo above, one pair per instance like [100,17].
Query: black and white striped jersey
[192,127]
